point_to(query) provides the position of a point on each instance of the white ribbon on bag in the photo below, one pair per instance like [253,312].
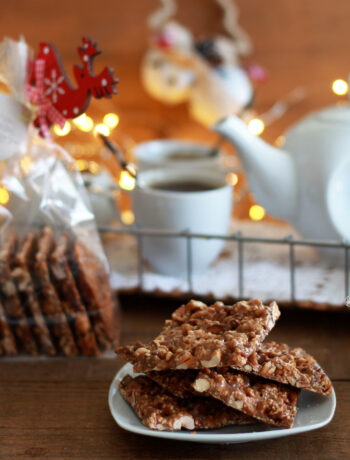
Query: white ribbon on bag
[14,115]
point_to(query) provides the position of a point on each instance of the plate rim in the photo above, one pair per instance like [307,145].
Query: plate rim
[206,436]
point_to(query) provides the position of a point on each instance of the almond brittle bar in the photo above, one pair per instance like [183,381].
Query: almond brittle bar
[21,273]
[93,284]
[200,336]
[272,403]
[7,339]
[70,297]
[11,300]
[51,304]
[160,410]
[177,382]
[292,366]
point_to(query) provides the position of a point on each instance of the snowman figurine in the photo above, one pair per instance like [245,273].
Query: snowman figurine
[221,87]
[206,73]
[162,76]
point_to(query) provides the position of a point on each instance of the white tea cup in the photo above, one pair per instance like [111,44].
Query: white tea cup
[198,201]
[172,153]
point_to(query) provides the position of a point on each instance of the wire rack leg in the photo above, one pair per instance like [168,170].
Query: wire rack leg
[189,263]
[346,272]
[140,260]
[292,271]
[240,269]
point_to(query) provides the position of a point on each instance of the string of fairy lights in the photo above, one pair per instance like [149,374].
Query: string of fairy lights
[110,121]
[86,124]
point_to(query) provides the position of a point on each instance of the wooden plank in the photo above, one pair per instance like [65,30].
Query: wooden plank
[71,420]
[58,408]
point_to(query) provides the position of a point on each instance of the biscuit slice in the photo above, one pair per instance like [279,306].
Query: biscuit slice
[159,410]
[200,336]
[70,297]
[292,366]
[7,339]
[11,300]
[21,273]
[93,284]
[50,301]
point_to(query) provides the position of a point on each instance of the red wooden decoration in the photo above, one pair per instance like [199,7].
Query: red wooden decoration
[68,100]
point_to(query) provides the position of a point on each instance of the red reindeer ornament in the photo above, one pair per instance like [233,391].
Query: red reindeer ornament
[50,88]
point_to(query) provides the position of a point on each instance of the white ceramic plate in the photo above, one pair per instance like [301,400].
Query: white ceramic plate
[314,411]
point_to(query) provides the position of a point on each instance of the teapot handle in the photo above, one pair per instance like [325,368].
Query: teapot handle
[338,198]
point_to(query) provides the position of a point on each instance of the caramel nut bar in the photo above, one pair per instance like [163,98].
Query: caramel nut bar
[292,366]
[51,304]
[93,283]
[269,402]
[70,297]
[21,273]
[199,336]
[160,410]
[272,361]
[11,300]
[7,339]
[177,382]
[272,403]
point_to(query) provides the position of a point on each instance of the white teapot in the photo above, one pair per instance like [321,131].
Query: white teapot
[308,181]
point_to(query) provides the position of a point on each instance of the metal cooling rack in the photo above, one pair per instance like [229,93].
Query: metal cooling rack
[140,233]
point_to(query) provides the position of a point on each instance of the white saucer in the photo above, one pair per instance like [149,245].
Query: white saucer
[314,411]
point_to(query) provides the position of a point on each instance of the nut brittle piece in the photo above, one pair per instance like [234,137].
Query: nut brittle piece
[13,307]
[272,403]
[200,336]
[93,283]
[160,410]
[21,273]
[177,382]
[51,304]
[70,297]
[292,366]
[7,339]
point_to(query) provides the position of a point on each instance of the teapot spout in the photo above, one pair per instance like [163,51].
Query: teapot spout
[270,171]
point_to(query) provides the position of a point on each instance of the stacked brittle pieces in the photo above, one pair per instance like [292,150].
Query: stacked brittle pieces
[55,297]
[209,368]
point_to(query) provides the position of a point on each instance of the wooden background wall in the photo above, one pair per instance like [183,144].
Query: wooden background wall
[300,42]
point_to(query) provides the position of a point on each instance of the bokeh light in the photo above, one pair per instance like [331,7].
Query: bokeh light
[64,131]
[126,181]
[340,87]
[256,212]
[256,126]
[101,129]
[111,120]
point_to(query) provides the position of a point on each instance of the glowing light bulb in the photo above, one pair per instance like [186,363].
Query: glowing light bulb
[127,217]
[26,163]
[82,165]
[256,126]
[4,195]
[232,179]
[64,131]
[111,120]
[280,141]
[84,123]
[94,167]
[101,129]
[340,87]
[126,181]
[256,212]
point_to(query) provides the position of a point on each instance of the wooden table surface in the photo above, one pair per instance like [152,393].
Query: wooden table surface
[58,409]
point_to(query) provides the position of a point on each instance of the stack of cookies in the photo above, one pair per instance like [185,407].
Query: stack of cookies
[55,297]
[209,368]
